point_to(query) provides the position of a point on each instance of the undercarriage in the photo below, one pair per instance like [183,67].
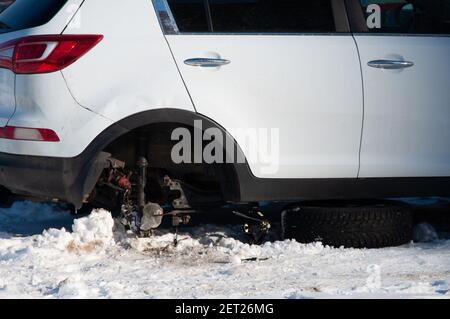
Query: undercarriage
[143,196]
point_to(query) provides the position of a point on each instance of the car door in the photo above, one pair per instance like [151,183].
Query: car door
[405,59]
[289,66]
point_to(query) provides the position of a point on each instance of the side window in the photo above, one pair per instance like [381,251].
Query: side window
[253,16]
[272,16]
[407,16]
[190,15]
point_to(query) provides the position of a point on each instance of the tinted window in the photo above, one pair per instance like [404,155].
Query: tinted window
[413,16]
[5,4]
[190,15]
[272,16]
[260,16]
[24,14]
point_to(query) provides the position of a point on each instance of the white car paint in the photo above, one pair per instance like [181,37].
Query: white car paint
[41,107]
[85,98]
[7,99]
[7,78]
[407,112]
[308,87]
[132,69]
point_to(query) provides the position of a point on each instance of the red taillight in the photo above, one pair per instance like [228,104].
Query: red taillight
[46,53]
[28,134]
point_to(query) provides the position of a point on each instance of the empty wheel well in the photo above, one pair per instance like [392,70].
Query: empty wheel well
[209,182]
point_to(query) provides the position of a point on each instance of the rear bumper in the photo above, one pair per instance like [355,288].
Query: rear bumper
[68,179]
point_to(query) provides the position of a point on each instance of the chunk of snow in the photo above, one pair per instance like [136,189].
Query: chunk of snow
[235,260]
[75,288]
[98,227]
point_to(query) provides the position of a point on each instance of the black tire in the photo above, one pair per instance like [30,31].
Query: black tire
[337,224]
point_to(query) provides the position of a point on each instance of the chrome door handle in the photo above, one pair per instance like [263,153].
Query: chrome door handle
[390,64]
[207,62]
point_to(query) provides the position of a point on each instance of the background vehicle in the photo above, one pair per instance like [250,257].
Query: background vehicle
[88,104]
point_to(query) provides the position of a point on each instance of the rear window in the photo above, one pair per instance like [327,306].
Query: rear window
[24,14]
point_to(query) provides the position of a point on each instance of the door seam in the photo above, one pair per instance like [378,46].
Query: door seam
[363,104]
[179,71]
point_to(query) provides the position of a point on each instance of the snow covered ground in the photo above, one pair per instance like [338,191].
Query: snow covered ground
[39,258]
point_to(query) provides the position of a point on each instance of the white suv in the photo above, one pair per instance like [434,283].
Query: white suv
[92,90]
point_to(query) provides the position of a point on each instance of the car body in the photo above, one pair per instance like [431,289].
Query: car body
[360,113]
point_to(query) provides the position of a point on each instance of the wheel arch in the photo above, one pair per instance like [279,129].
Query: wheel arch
[230,183]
